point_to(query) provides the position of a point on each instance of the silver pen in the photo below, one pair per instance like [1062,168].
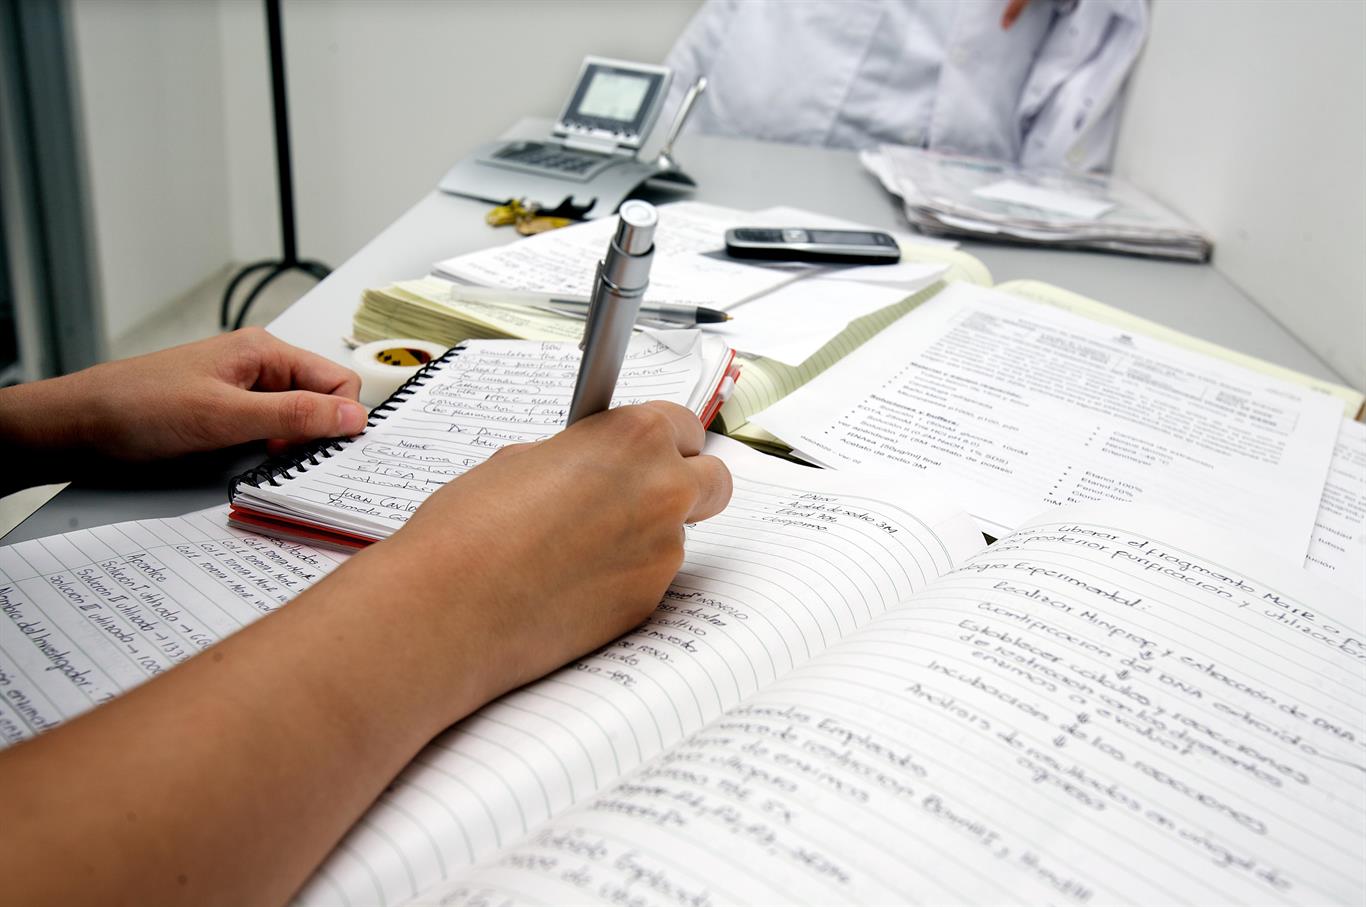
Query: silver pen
[578,305]
[620,282]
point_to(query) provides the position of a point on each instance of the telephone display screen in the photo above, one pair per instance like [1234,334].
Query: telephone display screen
[614,95]
[846,237]
[615,100]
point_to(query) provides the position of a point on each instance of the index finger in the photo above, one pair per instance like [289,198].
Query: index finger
[1012,12]
[286,367]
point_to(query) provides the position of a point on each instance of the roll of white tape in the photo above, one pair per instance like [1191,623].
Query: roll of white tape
[385,364]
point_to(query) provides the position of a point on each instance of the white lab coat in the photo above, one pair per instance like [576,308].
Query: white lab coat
[930,73]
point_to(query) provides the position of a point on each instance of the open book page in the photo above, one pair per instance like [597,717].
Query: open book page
[766,381]
[1098,311]
[797,320]
[763,382]
[799,559]
[793,322]
[962,267]
[490,394]
[1016,406]
[90,614]
[685,271]
[1109,708]
[1338,548]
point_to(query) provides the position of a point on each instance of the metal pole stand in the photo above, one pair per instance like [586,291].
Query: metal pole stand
[290,260]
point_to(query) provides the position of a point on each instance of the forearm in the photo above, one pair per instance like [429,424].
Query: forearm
[230,778]
[41,432]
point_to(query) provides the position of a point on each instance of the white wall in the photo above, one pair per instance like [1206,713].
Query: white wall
[1250,118]
[150,83]
[385,96]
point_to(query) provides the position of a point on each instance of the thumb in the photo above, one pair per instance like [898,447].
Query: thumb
[297,415]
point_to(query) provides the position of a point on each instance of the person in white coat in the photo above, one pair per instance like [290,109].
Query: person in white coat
[1035,83]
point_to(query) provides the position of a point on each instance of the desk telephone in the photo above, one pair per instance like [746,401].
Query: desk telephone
[590,162]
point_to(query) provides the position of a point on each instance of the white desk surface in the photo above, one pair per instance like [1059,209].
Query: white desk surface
[740,173]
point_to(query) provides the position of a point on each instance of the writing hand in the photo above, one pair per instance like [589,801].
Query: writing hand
[271,745]
[569,542]
[226,390]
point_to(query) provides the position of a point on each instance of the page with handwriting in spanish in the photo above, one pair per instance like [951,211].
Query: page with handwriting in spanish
[1112,707]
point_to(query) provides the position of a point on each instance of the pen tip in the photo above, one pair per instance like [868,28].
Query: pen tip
[727,317]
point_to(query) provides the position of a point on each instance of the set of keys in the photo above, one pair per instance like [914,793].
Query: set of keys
[525,217]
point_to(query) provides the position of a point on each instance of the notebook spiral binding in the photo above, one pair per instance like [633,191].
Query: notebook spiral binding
[301,459]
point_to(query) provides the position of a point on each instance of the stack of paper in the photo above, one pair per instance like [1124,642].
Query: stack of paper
[424,308]
[964,196]
[784,312]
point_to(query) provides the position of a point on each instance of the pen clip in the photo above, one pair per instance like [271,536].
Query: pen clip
[592,313]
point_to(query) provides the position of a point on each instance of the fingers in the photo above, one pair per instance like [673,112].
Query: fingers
[1012,12]
[285,367]
[714,487]
[292,416]
[648,431]
[687,430]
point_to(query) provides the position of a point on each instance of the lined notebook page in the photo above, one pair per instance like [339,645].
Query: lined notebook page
[90,614]
[490,394]
[798,560]
[1082,714]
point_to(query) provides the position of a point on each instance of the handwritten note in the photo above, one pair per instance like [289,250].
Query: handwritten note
[493,393]
[687,268]
[798,560]
[1085,713]
[88,615]
[1018,406]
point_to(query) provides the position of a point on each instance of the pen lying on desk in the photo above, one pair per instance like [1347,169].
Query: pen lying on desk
[578,305]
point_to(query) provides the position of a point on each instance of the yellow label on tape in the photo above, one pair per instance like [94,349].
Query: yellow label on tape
[402,356]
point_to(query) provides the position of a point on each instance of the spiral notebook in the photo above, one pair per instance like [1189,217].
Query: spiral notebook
[450,417]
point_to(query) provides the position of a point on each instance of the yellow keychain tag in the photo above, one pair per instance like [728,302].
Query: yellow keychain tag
[511,213]
[530,226]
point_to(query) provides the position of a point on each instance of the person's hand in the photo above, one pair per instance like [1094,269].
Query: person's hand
[564,544]
[535,557]
[1012,12]
[215,393]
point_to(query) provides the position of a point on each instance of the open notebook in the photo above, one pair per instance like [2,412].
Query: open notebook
[842,698]
[448,418]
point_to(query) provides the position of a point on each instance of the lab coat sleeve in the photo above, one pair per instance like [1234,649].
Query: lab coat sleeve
[1069,109]
[694,53]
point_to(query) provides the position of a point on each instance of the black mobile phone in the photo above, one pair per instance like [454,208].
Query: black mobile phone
[851,247]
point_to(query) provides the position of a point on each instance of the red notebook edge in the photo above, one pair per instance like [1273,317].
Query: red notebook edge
[294,530]
[732,371]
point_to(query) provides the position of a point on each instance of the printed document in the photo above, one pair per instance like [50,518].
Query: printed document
[1338,548]
[1014,406]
